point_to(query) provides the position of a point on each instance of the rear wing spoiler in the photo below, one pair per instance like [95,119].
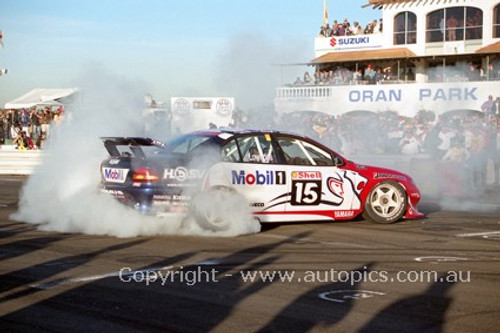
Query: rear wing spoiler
[134,143]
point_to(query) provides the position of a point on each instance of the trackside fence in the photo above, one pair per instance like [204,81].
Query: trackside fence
[19,162]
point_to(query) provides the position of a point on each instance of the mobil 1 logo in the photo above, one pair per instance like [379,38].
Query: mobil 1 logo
[306,188]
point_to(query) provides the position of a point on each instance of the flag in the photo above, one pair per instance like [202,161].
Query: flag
[1,38]
[325,12]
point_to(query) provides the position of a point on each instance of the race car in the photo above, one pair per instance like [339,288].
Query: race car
[284,177]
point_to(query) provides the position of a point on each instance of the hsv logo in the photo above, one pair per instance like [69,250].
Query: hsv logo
[114,175]
[258,178]
[182,174]
[333,42]
[306,175]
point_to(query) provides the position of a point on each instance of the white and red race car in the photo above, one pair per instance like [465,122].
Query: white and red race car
[284,177]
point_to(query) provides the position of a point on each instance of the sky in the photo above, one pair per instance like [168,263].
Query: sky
[171,47]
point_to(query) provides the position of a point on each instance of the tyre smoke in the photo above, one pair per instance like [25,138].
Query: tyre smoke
[61,195]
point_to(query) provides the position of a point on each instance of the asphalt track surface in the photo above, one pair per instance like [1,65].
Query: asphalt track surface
[439,274]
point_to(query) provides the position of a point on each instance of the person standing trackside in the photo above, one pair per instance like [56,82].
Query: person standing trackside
[25,121]
[489,107]
[45,122]
[35,124]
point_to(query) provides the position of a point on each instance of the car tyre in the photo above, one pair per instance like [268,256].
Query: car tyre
[386,203]
[208,209]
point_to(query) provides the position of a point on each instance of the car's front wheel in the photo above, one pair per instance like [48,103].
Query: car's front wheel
[386,203]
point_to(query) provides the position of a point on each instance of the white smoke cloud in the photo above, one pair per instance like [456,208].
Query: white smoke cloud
[250,68]
[61,195]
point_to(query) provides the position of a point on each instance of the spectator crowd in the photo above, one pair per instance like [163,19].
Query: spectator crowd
[28,128]
[388,73]
[345,28]
[341,76]
[469,139]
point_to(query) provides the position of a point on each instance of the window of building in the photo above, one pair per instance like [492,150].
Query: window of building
[454,24]
[496,22]
[405,28]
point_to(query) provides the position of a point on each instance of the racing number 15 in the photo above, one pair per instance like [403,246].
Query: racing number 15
[306,192]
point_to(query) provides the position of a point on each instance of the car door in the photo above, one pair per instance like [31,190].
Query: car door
[318,189]
[251,168]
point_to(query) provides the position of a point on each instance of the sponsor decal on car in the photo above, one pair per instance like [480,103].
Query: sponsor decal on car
[115,175]
[313,175]
[306,188]
[115,193]
[343,214]
[336,186]
[389,175]
[162,197]
[182,174]
[267,177]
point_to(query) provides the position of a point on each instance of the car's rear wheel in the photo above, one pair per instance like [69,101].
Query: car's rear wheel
[209,210]
[386,203]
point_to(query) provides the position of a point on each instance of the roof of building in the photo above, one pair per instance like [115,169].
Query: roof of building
[350,56]
[40,96]
[379,3]
[491,48]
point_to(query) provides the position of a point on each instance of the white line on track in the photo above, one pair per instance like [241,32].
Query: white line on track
[52,284]
[477,234]
[311,240]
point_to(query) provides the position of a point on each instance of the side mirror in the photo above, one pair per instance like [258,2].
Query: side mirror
[337,161]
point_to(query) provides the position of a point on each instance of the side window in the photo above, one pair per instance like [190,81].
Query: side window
[230,152]
[189,144]
[257,149]
[298,152]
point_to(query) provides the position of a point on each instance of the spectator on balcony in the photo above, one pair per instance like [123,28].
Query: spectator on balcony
[369,74]
[307,78]
[325,31]
[368,29]
[497,105]
[335,29]
[375,27]
[389,74]
[357,29]
[451,26]
[379,75]
[491,74]
[348,29]
[489,106]
[298,82]
[341,30]
[357,76]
